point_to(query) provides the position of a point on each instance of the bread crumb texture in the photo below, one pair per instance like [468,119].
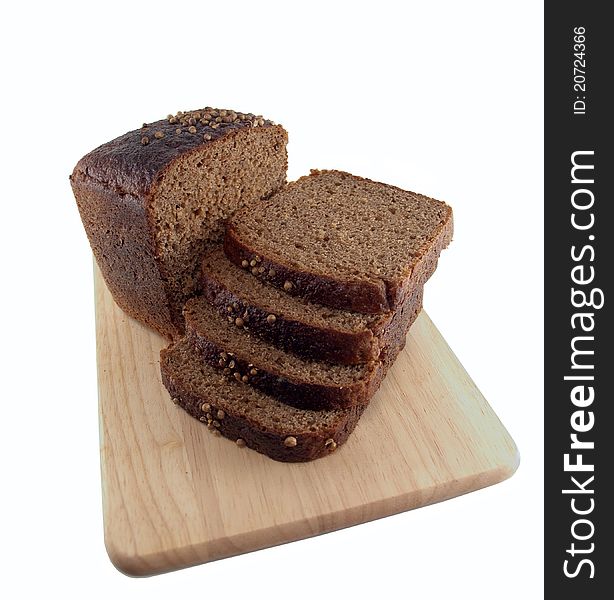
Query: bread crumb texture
[334,223]
[237,345]
[276,303]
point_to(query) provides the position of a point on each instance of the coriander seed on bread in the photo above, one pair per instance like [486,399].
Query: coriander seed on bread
[228,343]
[154,200]
[297,325]
[247,416]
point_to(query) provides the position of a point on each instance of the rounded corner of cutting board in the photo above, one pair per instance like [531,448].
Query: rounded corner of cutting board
[130,563]
[510,466]
[506,465]
[126,562]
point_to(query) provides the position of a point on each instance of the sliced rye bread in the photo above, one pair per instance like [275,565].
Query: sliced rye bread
[246,415]
[291,322]
[342,241]
[300,382]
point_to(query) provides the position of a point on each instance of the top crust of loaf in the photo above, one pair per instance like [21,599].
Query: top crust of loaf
[130,166]
[342,241]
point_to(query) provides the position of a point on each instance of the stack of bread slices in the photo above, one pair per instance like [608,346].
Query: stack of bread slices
[286,303]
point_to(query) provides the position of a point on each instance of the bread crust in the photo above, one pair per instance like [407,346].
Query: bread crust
[113,186]
[118,229]
[302,394]
[309,445]
[303,338]
[309,341]
[365,295]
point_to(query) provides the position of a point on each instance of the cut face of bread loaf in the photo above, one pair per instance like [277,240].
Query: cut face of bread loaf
[225,342]
[291,322]
[246,415]
[155,199]
[342,241]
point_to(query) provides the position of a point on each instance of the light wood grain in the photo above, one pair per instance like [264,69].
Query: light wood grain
[176,496]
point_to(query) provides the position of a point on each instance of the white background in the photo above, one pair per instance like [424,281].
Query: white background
[444,98]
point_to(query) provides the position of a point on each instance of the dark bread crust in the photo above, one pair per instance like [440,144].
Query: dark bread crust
[307,395]
[346,348]
[300,394]
[119,233]
[302,338]
[310,445]
[397,337]
[113,186]
[127,166]
[365,295]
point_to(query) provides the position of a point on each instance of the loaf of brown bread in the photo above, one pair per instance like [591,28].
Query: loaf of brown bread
[155,199]
[291,322]
[246,415]
[226,342]
[342,241]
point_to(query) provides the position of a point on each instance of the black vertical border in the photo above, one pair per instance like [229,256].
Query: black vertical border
[564,134]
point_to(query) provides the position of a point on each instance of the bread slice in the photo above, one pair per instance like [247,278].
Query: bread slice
[225,343]
[154,200]
[342,241]
[293,323]
[246,415]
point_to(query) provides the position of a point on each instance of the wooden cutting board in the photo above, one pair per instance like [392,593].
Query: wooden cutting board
[175,496]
